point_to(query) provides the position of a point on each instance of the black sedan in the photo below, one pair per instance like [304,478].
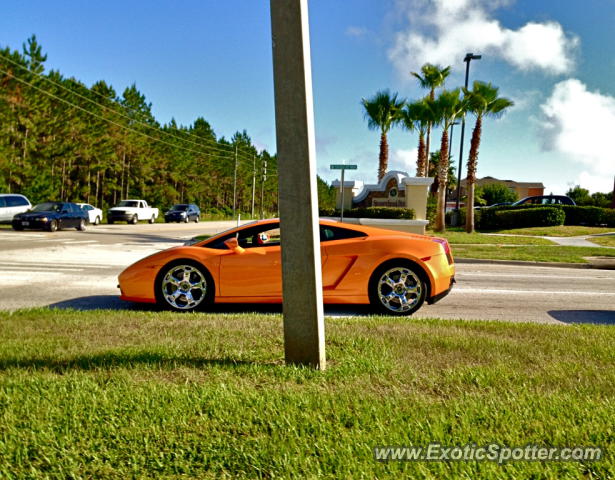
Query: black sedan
[51,216]
[183,212]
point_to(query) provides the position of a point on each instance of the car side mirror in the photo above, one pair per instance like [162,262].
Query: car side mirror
[233,244]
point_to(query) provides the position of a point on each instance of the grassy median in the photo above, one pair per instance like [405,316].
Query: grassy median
[554,254]
[115,394]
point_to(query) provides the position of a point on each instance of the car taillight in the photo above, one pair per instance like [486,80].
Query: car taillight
[446,246]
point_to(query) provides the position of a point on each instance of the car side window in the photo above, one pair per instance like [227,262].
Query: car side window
[2,202]
[14,201]
[260,236]
[329,233]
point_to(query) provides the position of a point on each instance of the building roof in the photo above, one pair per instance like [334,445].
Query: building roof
[508,183]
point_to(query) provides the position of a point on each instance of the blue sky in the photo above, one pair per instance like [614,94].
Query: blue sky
[213,59]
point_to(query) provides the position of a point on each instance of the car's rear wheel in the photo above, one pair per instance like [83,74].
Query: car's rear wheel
[110,221]
[397,288]
[81,226]
[184,286]
[17,227]
[52,226]
[153,219]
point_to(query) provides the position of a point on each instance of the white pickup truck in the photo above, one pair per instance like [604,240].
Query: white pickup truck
[131,211]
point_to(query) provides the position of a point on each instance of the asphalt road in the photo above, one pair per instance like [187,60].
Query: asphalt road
[70,269]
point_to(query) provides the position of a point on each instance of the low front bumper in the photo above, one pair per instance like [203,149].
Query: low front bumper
[120,217]
[35,224]
[441,295]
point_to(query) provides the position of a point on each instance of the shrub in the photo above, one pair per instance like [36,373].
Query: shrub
[577,215]
[532,217]
[608,218]
[371,212]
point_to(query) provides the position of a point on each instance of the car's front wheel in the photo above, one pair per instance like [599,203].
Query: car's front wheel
[52,226]
[397,288]
[184,286]
[97,221]
[134,219]
[81,226]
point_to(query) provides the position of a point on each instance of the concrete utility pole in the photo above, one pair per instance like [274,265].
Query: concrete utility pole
[263,180]
[304,332]
[253,182]
[235,184]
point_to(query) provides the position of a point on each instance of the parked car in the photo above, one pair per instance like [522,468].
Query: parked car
[51,216]
[393,271]
[183,212]
[95,215]
[545,200]
[11,204]
[132,211]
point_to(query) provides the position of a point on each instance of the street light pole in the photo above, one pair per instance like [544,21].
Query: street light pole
[468,58]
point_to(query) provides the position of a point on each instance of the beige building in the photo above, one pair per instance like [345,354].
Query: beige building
[522,189]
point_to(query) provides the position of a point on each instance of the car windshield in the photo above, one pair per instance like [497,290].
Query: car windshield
[47,207]
[128,203]
[180,208]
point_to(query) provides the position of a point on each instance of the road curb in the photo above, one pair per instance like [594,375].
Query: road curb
[532,264]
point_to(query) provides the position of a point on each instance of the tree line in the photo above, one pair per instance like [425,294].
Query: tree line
[63,140]
[385,110]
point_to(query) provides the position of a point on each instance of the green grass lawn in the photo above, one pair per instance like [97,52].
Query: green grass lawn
[607,241]
[113,394]
[560,231]
[460,237]
[531,253]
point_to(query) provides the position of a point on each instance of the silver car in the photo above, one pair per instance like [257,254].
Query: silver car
[11,204]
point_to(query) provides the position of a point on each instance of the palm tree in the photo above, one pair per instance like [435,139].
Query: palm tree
[447,107]
[433,77]
[382,111]
[419,116]
[482,101]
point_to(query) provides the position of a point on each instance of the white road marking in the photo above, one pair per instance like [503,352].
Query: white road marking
[498,291]
[519,275]
[75,242]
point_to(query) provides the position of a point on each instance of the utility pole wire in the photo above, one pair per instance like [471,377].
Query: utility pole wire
[106,119]
[119,105]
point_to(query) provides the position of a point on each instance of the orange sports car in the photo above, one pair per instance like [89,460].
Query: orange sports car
[393,271]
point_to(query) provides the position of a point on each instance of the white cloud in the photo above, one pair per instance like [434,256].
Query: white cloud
[578,124]
[354,31]
[443,31]
[404,160]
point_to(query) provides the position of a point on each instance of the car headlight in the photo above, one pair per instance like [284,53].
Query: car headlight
[183,214]
[44,219]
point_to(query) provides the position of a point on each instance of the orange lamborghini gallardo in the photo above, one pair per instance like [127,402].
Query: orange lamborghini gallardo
[393,271]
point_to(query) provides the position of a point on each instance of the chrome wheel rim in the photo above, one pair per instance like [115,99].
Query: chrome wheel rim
[184,287]
[399,289]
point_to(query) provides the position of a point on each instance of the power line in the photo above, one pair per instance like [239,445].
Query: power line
[111,121]
[158,130]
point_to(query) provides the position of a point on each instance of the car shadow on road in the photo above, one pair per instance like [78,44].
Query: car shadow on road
[598,317]
[113,302]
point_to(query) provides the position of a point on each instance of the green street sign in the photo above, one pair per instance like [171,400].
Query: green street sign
[339,166]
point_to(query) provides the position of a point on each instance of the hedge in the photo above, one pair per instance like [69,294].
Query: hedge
[577,215]
[534,217]
[371,212]
[487,219]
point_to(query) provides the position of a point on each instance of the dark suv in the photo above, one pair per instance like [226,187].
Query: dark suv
[546,200]
[184,212]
